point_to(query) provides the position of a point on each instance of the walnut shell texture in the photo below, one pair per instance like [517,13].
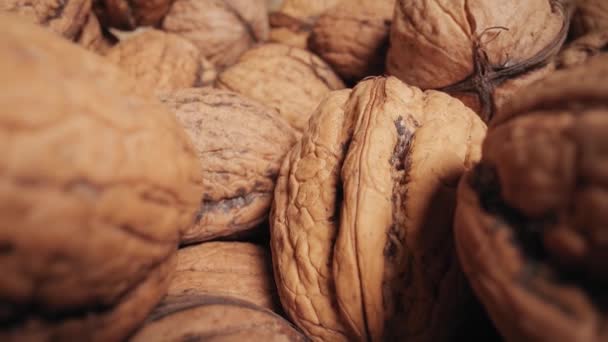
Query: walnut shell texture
[238,270]
[590,16]
[214,318]
[65,17]
[531,220]
[96,184]
[353,37]
[93,38]
[221,29]
[362,215]
[582,49]
[129,14]
[292,80]
[473,49]
[163,61]
[240,144]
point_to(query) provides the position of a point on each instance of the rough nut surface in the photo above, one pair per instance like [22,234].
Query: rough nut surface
[221,29]
[590,16]
[215,318]
[96,184]
[128,14]
[228,269]
[93,38]
[480,51]
[240,144]
[582,49]
[65,17]
[353,37]
[531,219]
[362,215]
[163,61]
[292,80]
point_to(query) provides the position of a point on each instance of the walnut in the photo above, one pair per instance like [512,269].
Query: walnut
[241,145]
[163,61]
[221,29]
[65,17]
[128,14]
[353,37]
[582,49]
[214,318]
[96,183]
[289,79]
[590,16]
[229,269]
[92,37]
[479,51]
[362,215]
[530,227]
[294,37]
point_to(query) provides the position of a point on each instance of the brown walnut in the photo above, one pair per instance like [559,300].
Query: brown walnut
[582,49]
[92,37]
[530,226]
[362,215]
[353,37]
[221,29]
[289,79]
[479,51]
[96,184]
[162,61]
[590,16]
[240,144]
[129,14]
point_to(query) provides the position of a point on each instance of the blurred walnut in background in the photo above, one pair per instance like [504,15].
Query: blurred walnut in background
[128,14]
[590,16]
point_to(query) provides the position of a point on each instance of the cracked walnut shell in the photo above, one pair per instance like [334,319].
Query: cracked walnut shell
[96,185]
[479,51]
[240,144]
[530,226]
[292,80]
[361,222]
[128,14]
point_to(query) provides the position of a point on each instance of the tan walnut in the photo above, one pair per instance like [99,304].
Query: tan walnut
[530,226]
[129,14]
[162,61]
[289,79]
[96,185]
[240,144]
[361,225]
[479,51]
[590,16]
[353,37]
[221,29]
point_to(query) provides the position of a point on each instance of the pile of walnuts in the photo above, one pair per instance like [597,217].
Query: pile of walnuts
[296,170]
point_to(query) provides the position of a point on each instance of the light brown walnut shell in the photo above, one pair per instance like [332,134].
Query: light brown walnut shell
[531,220]
[590,16]
[240,144]
[292,80]
[362,215]
[129,14]
[97,183]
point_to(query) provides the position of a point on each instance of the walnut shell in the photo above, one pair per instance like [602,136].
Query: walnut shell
[92,37]
[229,269]
[362,215]
[295,37]
[590,16]
[353,37]
[582,49]
[480,51]
[128,14]
[96,184]
[213,318]
[240,144]
[531,220]
[162,61]
[65,17]
[221,29]
[289,79]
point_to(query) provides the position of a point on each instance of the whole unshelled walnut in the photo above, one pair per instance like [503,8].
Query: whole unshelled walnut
[361,225]
[289,79]
[479,51]
[162,61]
[128,14]
[221,29]
[530,225]
[353,37]
[240,144]
[97,182]
[590,16]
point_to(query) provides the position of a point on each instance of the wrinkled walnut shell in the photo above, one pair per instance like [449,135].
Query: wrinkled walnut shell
[289,79]
[531,219]
[128,14]
[240,144]
[162,61]
[479,51]
[96,184]
[229,269]
[362,215]
[582,49]
[221,29]
[590,16]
